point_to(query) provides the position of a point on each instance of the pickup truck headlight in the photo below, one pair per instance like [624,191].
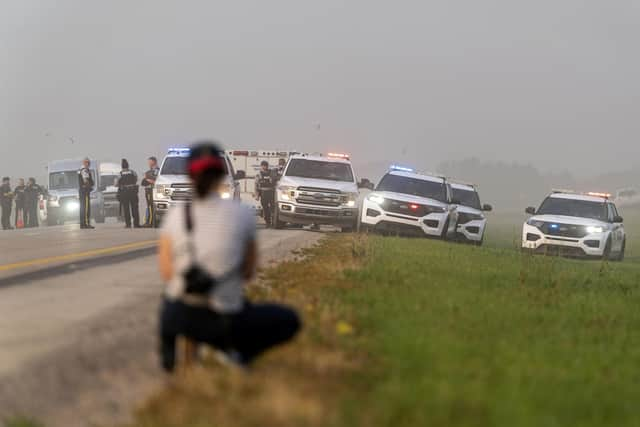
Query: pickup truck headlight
[286,192]
[160,191]
[350,199]
[225,192]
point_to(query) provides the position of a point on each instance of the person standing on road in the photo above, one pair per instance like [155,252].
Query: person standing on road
[148,183]
[128,195]
[85,187]
[216,239]
[282,163]
[6,203]
[20,212]
[32,193]
[266,191]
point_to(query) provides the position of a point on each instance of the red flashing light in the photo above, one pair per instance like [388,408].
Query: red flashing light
[414,207]
[240,153]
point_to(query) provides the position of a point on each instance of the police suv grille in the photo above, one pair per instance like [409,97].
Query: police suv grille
[563,230]
[320,197]
[404,208]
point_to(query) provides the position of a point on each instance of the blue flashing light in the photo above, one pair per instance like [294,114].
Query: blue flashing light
[554,226]
[179,150]
[401,168]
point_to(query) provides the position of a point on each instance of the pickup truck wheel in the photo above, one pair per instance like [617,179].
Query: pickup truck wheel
[277,224]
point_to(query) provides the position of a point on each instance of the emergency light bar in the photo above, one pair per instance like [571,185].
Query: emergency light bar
[179,150]
[338,156]
[596,194]
[401,168]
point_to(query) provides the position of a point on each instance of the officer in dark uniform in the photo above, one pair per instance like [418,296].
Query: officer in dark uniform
[6,202]
[265,190]
[282,163]
[19,195]
[128,195]
[85,187]
[148,183]
[32,194]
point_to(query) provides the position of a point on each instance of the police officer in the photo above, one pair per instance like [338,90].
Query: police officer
[85,187]
[265,190]
[148,183]
[282,163]
[19,195]
[6,202]
[32,194]
[128,195]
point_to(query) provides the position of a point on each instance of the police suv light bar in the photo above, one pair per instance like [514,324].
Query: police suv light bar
[401,168]
[596,194]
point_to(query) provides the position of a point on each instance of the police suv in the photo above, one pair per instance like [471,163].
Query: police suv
[174,188]
[471,223]
[409,203]
[578,225]
[317,189]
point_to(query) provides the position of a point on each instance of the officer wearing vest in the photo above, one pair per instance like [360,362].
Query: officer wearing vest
[148,183]
[21,215]
[6,202]
[265,190]
[85,187]
[128,195]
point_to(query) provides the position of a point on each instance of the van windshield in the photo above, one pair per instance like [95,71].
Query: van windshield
[66,180]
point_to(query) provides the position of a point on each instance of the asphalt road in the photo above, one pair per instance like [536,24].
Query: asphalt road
[78,316]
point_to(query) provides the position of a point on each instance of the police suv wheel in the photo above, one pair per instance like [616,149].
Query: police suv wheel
[606,254]
[620,256]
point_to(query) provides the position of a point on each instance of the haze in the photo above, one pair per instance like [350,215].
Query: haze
[550,83]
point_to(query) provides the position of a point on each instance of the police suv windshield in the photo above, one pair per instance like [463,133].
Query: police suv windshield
[316,169]
[467,198]
[178,166]
[572,207]
[413,187]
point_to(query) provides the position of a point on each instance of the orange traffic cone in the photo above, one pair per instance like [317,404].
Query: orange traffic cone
[19,220]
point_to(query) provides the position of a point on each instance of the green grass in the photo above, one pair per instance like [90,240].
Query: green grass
[21,422]
[487,337]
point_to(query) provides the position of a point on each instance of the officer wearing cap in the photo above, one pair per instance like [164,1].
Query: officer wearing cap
[265,190]
[85,187]
[148,183]
[128,195]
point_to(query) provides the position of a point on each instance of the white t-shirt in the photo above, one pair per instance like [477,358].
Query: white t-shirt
[221,231]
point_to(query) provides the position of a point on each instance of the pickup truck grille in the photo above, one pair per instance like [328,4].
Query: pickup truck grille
[320,197]
[182,192]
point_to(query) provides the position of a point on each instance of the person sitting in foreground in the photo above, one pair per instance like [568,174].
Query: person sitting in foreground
[207,252]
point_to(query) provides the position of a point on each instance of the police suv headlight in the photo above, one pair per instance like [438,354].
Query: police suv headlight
[535,223]
[286,192]
[434,209]
[593,229]
[376,198]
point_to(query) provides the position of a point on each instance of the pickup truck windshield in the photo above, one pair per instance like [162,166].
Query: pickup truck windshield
[316,169]
[571,207]
[178,166]
[67,180]
[467,198]
[413,187]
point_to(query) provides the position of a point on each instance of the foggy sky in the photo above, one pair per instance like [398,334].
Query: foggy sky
[554,83]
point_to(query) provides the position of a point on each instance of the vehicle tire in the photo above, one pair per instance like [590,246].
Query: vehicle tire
[100,219]
[606,255]
[275,219]
[445,231]
[620,256]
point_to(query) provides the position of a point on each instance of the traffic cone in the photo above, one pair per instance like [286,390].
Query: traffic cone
[19,221]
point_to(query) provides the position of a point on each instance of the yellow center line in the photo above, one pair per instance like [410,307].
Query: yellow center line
[78,255]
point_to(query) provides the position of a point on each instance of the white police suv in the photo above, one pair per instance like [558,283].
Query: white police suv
[471,219]
[409,203]
[577,225]
[319,190]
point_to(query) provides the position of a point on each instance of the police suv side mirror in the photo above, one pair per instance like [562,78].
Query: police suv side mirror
[240,175]
[487,208]
[618,219]
[530,210]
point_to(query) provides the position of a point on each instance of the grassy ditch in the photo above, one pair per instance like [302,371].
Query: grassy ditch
[409,332]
